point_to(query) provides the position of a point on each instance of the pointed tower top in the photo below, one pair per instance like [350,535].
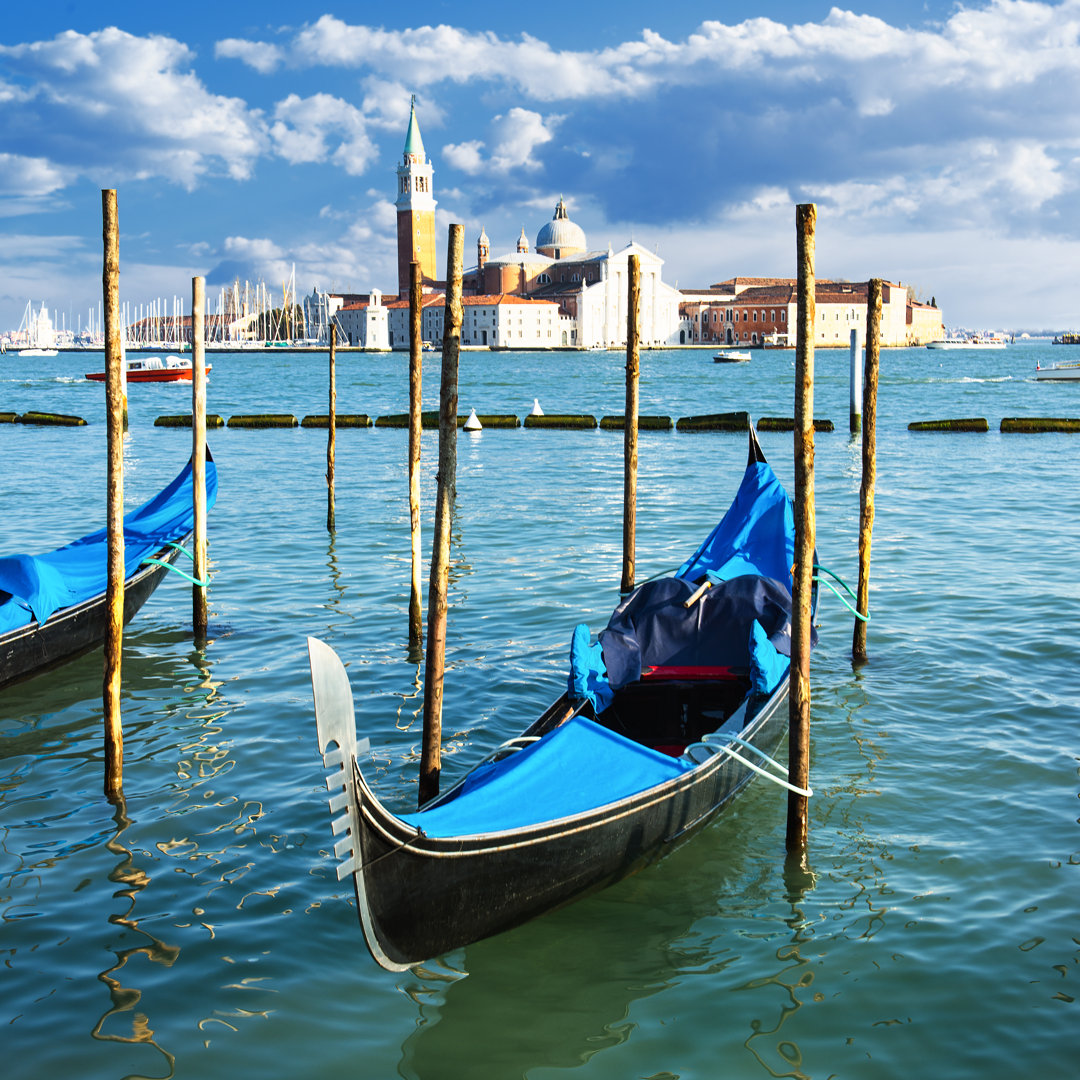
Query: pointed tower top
[414,145]
[523,242]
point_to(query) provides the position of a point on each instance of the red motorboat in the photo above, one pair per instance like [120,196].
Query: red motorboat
[153,369]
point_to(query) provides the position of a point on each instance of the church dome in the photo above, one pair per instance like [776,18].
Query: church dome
[560,236]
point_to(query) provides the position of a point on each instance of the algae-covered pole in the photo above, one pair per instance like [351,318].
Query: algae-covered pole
[331,432]
[869,466]
[198,454]
[114,410]
[799,696]
[430,761]
[855,383]
[416,369]
[630,429]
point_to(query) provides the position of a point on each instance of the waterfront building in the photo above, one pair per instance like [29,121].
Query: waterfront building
[589,286]
[764,311]
[415,210]
[494,321]
[363,322]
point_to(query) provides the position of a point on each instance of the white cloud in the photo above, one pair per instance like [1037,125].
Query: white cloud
[110,104]
[515,136]
[262,57]
[29,177]
[466,156]
[304,127]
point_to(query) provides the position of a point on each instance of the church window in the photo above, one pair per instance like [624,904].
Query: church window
[755,316]
[783,315]
[772,316]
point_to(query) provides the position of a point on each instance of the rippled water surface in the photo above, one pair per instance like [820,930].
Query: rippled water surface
[199,930]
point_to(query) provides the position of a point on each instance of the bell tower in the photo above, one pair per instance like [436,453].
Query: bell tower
[415,209]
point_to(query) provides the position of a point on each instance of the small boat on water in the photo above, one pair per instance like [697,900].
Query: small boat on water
[731,356]
[973,341]
[53,607]
[169,368]
[665,719]
[1066,371]
[38,352]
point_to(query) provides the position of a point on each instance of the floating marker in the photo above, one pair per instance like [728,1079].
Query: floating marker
[473,424]
[536,410]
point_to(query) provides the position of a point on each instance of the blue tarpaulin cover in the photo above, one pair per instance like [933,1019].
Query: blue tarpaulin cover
[577,767]
[748,557]
[36,586]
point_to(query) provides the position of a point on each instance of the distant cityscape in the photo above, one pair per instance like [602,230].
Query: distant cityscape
[554,293]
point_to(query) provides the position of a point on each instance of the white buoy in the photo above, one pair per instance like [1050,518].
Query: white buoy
[473,423]
[536,410]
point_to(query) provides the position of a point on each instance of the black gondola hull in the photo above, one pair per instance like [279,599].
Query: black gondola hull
[420,896]
[70,632]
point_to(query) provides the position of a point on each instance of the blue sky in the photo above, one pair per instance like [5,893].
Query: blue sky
[941,145]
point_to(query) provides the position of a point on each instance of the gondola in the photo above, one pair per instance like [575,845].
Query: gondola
[53,606]
[666,718]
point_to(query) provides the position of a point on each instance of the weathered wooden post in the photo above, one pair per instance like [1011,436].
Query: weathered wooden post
[416,369]
[630,421]
[869,466]
[430,761]
[114,411]
[198,454]
[799,695]
[855,384]
[331,432]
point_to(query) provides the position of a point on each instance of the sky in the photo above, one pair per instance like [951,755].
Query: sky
[939,141]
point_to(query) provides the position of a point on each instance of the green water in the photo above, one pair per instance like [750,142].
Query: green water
[200,930]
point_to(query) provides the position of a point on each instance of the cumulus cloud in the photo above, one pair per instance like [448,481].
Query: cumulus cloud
[259,55]
[110,103]
[515,136]
[304,129]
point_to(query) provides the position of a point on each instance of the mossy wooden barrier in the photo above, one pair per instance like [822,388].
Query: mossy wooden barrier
[562,421]
[264,420]
[787,423]
[976,423]
[430,420]
[493,420]
[1039,423]
[341,420]
[729,421]
[183,420]
[49,418]
[645,423]
[8,417]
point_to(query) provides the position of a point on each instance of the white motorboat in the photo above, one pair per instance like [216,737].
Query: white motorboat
[974,341]
[1066,371]
[731,356]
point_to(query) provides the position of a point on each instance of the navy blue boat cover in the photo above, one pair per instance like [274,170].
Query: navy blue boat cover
[36,586]
[742,620]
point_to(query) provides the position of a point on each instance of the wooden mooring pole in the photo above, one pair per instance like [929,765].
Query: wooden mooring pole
[416,371]
[198,454]
[630,421]
[331,433]
[431,761]
[799,695]
[869,466]
[114,410]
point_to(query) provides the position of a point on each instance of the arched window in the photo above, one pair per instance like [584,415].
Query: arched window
[755,320]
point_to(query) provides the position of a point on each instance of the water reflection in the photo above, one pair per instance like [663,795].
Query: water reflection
[558,991]
[124,999]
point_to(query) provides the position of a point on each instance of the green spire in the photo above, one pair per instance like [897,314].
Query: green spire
[413,143]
